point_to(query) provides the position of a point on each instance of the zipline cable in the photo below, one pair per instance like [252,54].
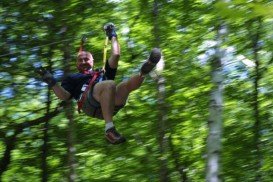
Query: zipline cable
[44,45]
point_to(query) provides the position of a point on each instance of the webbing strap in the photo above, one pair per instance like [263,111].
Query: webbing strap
[83,41]
[83,97]
[105,51]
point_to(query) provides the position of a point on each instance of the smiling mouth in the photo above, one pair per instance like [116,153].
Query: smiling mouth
[85,67]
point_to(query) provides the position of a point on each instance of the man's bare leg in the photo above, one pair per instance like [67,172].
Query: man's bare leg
[126,87]
[104,93]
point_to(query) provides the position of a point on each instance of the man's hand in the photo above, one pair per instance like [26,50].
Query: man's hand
[110,31]
[46,76]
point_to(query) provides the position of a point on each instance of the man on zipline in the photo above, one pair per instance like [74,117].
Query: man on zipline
[96,92]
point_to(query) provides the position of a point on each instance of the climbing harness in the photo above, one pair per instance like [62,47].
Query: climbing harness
[84,94]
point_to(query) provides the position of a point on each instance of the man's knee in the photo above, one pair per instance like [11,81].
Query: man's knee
[109,85]
[105,86]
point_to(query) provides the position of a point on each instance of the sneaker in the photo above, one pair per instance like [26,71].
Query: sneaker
[113,136]
[151,62]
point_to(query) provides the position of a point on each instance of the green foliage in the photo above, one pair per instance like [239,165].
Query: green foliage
[35,32]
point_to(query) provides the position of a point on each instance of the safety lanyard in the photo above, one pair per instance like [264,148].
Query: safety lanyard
[83,97]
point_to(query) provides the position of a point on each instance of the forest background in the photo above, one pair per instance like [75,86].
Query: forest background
[205,113]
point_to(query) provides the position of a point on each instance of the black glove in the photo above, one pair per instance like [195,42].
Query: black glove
[110,31]
[46,76]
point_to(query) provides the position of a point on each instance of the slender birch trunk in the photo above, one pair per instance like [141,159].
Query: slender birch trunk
[71,150]
[69,113]
[215,116]
[162,117]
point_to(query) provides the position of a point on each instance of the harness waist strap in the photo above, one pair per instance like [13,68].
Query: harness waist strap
[84,94]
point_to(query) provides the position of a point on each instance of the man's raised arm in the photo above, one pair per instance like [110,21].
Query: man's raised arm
[115,48]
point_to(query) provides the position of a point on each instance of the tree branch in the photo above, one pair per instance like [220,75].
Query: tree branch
[10,140]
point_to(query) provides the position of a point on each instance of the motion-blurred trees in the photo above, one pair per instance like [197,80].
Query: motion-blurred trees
[37,32]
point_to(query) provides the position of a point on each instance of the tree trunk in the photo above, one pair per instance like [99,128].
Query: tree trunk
[44,146]
[256,114]
[46,127]
[69,113]
[215,116]
[162,117]
[71,143]
[162,138]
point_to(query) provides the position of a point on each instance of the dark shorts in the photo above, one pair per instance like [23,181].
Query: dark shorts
[92,108]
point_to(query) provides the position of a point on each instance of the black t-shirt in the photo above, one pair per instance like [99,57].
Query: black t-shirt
[74,83]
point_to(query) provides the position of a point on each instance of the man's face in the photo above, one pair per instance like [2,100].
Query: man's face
[84,61]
